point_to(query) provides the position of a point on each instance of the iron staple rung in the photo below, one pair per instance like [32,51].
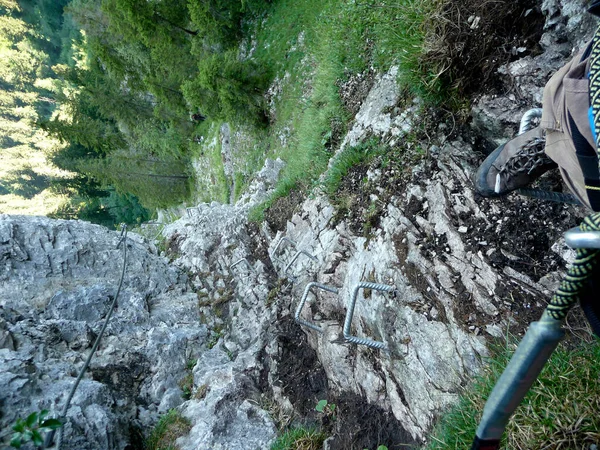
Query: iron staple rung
[307,289]
[375,286]
[366,341]
[283,239]
[308,324]
[241,261]
[577,238]
[528,118]
[350,314]
[191,208]
[301,252]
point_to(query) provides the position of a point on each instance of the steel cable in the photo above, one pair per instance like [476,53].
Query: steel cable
[63,414]
[559,197]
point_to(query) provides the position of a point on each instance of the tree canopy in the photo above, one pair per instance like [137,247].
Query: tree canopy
[105,90]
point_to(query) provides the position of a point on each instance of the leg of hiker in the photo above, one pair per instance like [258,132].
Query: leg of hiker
[564,138]
[569,140]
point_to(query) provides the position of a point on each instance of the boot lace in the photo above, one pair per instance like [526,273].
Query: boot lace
[529,157]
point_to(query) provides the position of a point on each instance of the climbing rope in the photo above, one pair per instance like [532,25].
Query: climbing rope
[63,414]
[559,197]
[577,276]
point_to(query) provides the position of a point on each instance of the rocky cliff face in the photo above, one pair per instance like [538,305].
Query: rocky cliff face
[58,280]
[212,331]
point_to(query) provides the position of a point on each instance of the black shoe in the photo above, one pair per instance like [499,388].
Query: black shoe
[514,165]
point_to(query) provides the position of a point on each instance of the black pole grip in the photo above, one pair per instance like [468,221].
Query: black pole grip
[485,444]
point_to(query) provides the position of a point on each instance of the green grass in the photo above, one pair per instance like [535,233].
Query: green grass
[300,438]
[350,157]
[312,47]
[170,427]
[401,30]
[560,411]
[212,185]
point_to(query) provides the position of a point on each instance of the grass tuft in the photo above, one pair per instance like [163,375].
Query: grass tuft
[350,157]
[300,438]
[169,428]
[560,410]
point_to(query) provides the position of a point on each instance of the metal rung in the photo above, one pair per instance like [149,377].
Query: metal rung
[307,289]
[301,252]
[577,238]
[350,313]
[189,213]
[243,260]
[286,239]
[528,118]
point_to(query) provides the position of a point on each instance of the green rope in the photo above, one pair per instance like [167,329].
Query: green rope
[595,83]
[577,275]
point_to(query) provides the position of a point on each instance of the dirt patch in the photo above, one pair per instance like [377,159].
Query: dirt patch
[125,376]
[467,314]
[352,201]
[300,374]
[260,251]
[471,39]
[521,236]
[366,190]
[352,423]
[282,210]
[355,90]
[359,425]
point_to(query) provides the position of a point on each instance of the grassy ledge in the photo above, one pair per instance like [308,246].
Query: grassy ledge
[300,438]
[560,410]
[317,45]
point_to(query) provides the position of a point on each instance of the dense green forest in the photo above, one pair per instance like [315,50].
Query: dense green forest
[113,94]
[105,103]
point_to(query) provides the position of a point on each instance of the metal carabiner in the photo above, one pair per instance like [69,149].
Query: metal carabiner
[577,238]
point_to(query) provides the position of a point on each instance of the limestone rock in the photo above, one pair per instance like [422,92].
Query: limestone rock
[58,280]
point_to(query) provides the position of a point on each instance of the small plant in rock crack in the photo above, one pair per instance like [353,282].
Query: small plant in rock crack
[187,386]
[328,409]
[31,429]
[215,334]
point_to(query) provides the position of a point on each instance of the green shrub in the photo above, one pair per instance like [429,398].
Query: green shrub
[220,22]
[31,429]
[227,88]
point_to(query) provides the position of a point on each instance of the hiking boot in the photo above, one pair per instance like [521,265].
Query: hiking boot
[514,165]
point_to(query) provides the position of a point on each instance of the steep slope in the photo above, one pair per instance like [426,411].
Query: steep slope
[212,332]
